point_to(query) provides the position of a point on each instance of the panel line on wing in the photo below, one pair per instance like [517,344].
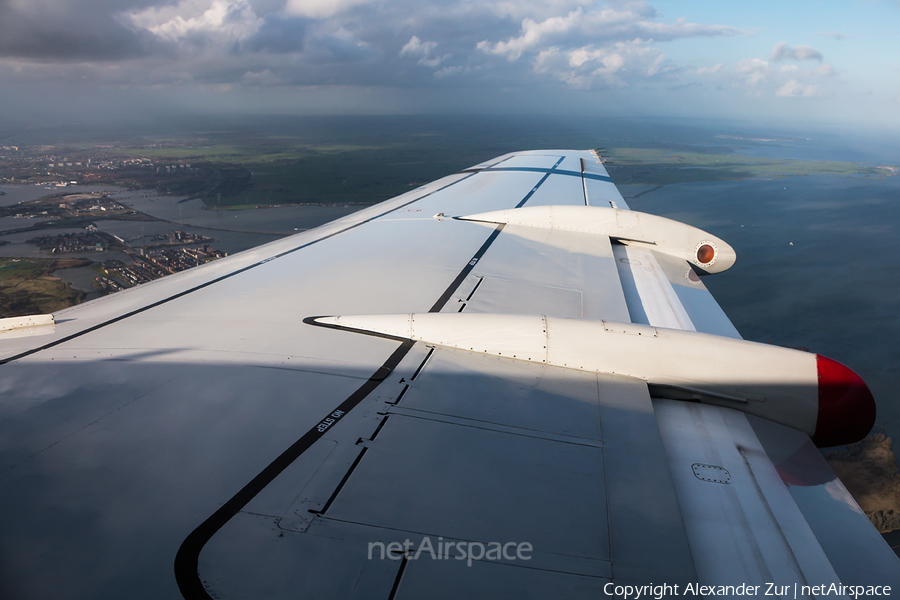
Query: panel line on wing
[384,420]
[496,427]
[421,366]
[400,571]
[584,183]
[340,486]
[451,289]
[399,397]
[547,172]
[474,289]
[789,551]
[551,170]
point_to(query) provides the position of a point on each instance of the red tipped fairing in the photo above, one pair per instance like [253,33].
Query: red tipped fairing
[846,406]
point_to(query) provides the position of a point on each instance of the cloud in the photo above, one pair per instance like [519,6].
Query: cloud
[594,46]
[221,21]
[825,70]
[784,52]
[533,33]
[78,30]
[752,70]
[415,47]
[517,49]
[320,8]
[794,88]
[618,65]
[761,77]
[448,72]
[788,81]
[222,40]
[631,21]
[707,70]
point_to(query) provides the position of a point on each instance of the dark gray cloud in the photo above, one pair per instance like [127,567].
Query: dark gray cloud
[447,49]
[464,41]
[71,31]
[343,42]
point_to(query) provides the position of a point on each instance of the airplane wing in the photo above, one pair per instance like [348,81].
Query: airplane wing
[502,384]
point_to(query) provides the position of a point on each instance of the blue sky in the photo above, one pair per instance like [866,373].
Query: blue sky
[788,63]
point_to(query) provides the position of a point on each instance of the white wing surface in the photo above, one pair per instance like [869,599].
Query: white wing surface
[502,384]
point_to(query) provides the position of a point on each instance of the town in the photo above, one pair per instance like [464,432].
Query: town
[78,207]
[113,164]
[148,262]
[145,267]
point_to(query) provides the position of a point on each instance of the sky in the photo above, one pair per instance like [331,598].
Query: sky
[792,63]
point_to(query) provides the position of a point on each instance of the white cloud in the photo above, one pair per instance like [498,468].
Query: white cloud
[319,9]
[415,47]
[618,23]
[594,45]
[219,19]
[825,70]
[752,70]
[448,72]
[534,9]
[785,80]
[782,51]
[533,33]
[617,65]
[707,70]
[794,88]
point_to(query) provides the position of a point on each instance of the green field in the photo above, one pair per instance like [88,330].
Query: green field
[27,288]
[662,167]
[295,173]
[270,172]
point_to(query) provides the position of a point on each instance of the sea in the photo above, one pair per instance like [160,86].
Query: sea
[818,266]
